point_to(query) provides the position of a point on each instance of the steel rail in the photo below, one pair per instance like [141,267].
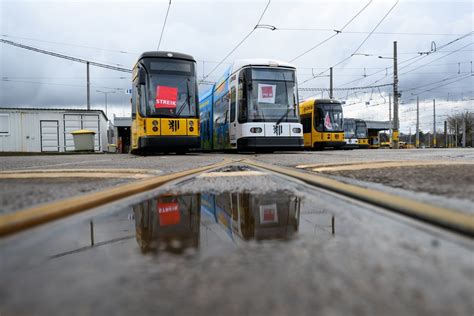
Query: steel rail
[31,217]
[446,218]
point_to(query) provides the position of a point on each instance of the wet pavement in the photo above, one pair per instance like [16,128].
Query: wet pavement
[237,241]
[441,185]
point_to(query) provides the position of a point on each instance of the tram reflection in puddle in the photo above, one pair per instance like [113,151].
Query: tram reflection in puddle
[171,223]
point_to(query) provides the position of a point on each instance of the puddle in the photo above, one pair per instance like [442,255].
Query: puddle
[172,223]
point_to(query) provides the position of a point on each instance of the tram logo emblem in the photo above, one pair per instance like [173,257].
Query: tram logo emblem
[173,125]
[277,129]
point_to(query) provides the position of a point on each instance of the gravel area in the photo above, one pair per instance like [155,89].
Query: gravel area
[452,181]
[17,194]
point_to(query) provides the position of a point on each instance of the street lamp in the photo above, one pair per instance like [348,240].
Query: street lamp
[105,94]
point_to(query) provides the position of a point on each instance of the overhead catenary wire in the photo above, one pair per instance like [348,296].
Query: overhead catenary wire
[342,89]
[238,45]
[431,83]
[444,84]
[276,28]
[6,79]
[164,24]
[335,34]
[419,58]
[75,59]
[361,44]
[415,58]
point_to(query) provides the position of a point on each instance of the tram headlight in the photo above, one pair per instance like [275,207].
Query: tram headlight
[155,129]
[256,130]
[296,130]
[191,129]
[154,123]
[191,124]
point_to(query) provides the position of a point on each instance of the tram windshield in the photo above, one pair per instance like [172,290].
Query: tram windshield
[361,129]
[328,117]
[272,95]
[349,128]
[171,89]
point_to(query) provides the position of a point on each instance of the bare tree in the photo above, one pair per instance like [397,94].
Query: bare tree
[455,125]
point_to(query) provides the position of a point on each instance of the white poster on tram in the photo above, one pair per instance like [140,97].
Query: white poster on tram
[266,93]
[268,214]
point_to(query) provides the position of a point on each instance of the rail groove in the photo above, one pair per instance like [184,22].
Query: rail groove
[446,218]
[31,217]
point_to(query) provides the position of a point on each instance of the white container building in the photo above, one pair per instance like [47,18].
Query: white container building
[49,130]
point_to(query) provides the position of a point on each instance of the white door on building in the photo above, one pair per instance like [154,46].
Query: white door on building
[49,134]
[91,122]
[74,122]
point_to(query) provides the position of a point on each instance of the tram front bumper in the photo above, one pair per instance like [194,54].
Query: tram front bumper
[169,142]
[276,143]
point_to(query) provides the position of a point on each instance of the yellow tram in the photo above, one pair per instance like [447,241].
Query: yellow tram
[165,115]
[322,123]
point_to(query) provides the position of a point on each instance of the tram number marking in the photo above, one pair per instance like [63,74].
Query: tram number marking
[173,125]
[277,129]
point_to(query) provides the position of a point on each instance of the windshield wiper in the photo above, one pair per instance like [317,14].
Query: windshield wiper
[187,101]
[283,116]
[289,109]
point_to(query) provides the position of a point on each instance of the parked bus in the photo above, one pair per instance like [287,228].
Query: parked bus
[165,116]
[322,123]
[252,107]
[355,133]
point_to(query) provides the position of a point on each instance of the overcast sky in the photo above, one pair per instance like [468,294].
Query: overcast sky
[116,32]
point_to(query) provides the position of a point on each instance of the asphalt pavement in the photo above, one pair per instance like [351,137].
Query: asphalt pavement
[237,241]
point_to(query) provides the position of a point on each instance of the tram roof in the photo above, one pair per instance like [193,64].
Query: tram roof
[239,63]
[354,119]
[166,54]
[325,101]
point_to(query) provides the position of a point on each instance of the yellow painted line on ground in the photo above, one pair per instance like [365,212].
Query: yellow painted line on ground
[314,165]
[79,173]
[52,175]
[232,174]
[379,165]
[31,217]
[444,217]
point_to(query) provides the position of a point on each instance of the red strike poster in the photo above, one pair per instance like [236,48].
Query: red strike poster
[168,213]
[166,97]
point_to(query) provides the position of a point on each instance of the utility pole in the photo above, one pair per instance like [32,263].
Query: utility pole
[88,88]
[390,116]
[330,83]
[395,97]
[105,94]
[456,133]
[409,137]
[417,138]
[434,123]
[446,134]
[464,135]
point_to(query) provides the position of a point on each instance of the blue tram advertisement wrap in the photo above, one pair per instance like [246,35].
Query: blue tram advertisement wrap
[253,106]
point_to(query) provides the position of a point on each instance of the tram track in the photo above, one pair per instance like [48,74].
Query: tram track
[439,217]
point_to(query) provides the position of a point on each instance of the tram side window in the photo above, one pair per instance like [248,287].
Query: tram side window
[232,104]
[134,99]
[143,108]
[318,119]
[242,98]
[306,122]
